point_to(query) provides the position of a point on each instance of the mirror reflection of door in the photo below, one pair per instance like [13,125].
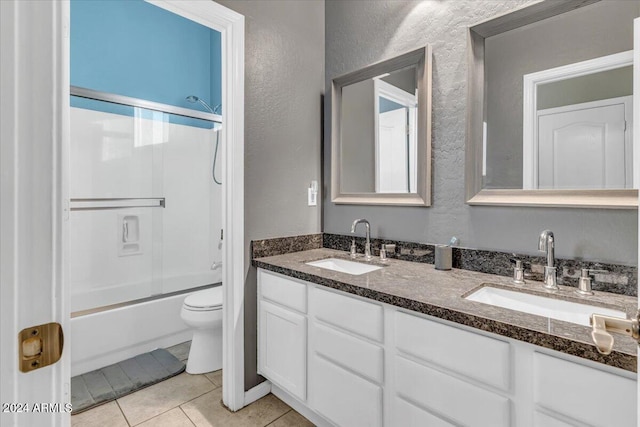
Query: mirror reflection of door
[578,124]
[586,145]
[396,139]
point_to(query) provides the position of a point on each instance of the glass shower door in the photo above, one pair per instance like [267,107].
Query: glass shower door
[116,204]
[145,213]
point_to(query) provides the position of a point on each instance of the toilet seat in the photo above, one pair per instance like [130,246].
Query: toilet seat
[207,300]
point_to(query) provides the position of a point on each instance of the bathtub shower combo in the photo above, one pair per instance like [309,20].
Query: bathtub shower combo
[145,229]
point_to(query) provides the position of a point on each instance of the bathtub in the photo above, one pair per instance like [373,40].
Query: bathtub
[102,338]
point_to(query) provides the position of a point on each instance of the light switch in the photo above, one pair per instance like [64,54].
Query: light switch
[313,194]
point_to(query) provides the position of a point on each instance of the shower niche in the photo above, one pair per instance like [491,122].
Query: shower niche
[129,231]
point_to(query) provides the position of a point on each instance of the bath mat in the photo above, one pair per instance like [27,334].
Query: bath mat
[109,383]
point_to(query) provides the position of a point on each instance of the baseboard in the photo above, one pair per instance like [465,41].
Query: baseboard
[300,407]
[257,392]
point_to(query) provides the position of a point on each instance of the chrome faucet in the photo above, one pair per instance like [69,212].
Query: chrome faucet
[547,244]
[367,246]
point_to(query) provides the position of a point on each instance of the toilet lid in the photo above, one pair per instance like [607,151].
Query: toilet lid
[205,300]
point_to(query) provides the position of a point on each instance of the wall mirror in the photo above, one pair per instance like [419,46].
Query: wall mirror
[550,106]
[381,133]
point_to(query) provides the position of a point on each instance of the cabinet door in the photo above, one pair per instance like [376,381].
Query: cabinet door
[282,348]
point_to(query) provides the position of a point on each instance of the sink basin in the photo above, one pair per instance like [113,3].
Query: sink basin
[542,306]
[344,266]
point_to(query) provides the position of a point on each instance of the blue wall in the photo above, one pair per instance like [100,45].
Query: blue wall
[387,105]
[133,48]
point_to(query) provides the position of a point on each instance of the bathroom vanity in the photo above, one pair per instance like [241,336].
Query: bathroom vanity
[402,346]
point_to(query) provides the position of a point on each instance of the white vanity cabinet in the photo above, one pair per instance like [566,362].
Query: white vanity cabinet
[282,332]
[350,361]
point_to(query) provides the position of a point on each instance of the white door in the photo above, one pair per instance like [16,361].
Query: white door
[586,146]
[392,173]
[34,84]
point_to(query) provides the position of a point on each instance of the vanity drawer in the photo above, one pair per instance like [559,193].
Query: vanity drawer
[540,419]
[406,414]
[360,317]
[283,290]
[358,355]
[342,396]
[464,403]
[472,355]
[587,394]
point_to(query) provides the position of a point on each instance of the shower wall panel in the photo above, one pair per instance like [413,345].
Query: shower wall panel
[116,156]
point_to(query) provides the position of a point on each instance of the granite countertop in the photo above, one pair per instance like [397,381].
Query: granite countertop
[421,288]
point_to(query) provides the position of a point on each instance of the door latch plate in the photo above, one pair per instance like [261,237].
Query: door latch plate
[40,346]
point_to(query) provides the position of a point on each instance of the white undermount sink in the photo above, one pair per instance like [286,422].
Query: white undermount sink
[542,306]
[344,266]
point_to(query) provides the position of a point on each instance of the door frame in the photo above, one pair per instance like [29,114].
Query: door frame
[231,26]
[530,102]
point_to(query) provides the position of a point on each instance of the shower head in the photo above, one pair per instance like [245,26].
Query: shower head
[194,99]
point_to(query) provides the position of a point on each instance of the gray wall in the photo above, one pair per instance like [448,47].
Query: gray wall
[592,87]
[360,33]
[404,79]
[284,82]
[590,32]
[358,137]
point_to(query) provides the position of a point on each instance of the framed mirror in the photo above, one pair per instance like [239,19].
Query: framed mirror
[550,106]
[381,133]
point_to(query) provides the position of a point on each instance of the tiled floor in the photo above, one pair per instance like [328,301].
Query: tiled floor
[188,400]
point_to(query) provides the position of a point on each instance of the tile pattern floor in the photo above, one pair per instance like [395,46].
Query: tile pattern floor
[189,401]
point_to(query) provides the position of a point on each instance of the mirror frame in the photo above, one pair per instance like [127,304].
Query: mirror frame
[421,58]
[475,194]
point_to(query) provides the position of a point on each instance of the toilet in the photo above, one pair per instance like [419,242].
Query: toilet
[202,311]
